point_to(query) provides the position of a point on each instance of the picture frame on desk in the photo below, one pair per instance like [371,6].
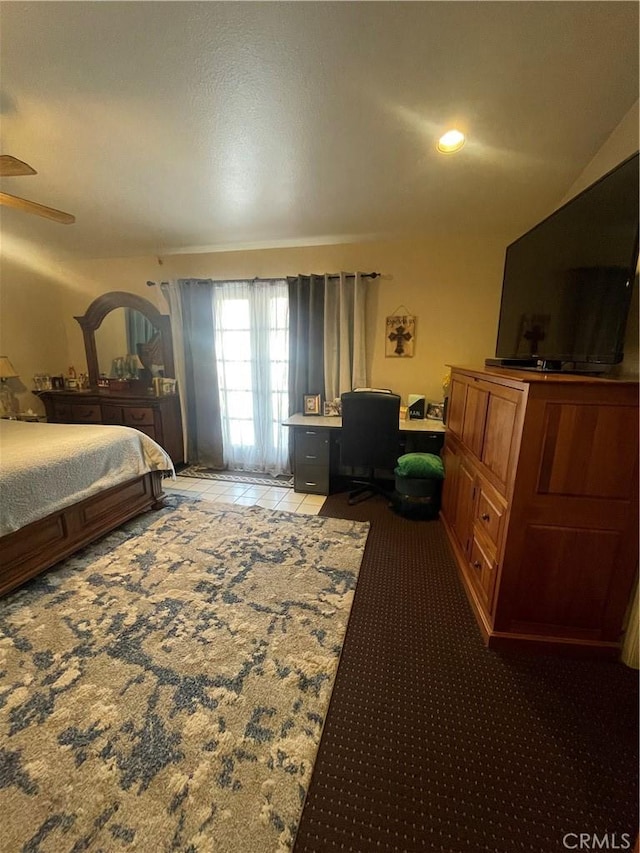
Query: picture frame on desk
[332,408]
[312,404]
[435,411]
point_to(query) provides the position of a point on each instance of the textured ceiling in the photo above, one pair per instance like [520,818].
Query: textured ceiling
[189,126]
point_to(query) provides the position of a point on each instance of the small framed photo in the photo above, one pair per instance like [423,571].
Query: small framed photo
[311,404]
[332,409]
[435,411]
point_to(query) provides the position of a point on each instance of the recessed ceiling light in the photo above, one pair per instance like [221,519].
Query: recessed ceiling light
[451,141]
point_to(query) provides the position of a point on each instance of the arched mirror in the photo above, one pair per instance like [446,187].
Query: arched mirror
[126,338]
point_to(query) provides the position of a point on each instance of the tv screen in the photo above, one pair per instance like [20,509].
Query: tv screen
[567,283]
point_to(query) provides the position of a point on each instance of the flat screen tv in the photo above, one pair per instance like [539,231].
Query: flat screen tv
[568,281]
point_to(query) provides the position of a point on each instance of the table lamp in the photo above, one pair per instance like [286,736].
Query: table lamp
[8,402]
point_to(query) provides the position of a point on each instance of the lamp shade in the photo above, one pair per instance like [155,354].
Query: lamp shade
[134,362]
[7,370]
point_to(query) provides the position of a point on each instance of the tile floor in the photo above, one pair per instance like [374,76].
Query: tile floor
[270,497]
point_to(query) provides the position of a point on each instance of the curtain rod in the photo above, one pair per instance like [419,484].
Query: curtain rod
[280,278]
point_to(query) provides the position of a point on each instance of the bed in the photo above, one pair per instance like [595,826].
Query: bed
[64,485]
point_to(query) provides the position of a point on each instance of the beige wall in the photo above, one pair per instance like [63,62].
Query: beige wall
[622,143]
[451,284]
[32,330]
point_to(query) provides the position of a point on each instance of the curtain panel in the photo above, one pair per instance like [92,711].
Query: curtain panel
[191,311]
[344,334]
[306,338]
[139,330]
[327,341]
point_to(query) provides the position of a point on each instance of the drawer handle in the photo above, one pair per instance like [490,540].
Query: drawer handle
[310,457]
[86,414]
[485,516]
[135,417]
[477,565]
[311,484]
[310,432]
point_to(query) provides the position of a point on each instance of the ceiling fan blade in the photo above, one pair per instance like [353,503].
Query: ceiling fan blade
[11,167]
[38,209]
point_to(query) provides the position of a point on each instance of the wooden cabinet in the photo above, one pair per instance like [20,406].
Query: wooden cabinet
[158,417]
[540,504]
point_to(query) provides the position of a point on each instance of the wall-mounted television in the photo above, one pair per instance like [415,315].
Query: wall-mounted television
[568,281]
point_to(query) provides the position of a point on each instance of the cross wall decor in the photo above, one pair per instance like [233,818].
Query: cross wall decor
[400,336]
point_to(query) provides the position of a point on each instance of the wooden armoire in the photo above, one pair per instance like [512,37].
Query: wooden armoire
[540,504]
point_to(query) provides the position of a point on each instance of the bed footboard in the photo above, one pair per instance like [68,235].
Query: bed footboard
[38,546]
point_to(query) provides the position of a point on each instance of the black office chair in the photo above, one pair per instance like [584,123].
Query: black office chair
[369,437]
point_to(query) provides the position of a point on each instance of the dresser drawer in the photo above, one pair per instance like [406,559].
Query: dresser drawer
[147,430]
[62,412]
[139,416]
[86,414]
[313,479]
[311,447]
[111,414]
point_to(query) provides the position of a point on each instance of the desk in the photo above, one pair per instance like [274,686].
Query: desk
[316,453]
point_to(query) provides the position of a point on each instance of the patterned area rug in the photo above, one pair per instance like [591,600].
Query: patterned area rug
[166,688]
[283,481]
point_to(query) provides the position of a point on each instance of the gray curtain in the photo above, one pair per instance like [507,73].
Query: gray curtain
[191,309]
[139,330]
[306,338]
[344,334]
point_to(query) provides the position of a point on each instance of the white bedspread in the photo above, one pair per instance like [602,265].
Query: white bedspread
[46,467]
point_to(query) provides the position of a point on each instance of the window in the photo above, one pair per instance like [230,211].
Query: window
[252,352]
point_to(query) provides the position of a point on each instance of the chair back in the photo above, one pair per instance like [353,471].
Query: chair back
[370,432]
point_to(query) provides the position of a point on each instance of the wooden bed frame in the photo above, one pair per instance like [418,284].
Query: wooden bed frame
[38,546]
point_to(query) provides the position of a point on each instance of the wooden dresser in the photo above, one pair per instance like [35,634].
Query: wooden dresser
[540,504]
[158,417]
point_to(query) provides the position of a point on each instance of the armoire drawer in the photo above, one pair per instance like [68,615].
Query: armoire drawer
[483,568]
[489,514]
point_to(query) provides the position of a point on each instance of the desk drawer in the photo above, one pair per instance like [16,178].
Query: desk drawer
[311,447]
[86,414]
[313,479]
[136,417]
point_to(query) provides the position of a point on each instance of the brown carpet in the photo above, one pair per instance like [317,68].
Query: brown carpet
[434,743]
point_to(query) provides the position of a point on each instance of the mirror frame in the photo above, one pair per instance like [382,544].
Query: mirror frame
[96,312]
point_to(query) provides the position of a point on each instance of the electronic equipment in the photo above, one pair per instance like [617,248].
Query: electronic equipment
[568,281]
